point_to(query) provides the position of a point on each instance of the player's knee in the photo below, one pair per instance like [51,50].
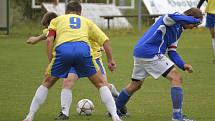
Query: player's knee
[109,86]
[101,84]
[49,81]
[68,84]
[177,80]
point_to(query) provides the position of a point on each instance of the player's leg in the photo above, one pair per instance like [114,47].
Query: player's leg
[212,31]
[101,84]
[138,76]
[66,96]
[127,92]
[176,92]
[59,67]
[40,96]
[66,93]
[165,67]
[210,24]
[112,88]
[85,66]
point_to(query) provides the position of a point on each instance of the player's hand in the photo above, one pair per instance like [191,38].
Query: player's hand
[188,68]
[31,40]
[111,65]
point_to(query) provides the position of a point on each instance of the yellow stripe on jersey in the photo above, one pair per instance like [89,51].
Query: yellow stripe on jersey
[210,7]
[72,27]
[45,32]
[96,50]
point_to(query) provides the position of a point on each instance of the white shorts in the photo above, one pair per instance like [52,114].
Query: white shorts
[143,68]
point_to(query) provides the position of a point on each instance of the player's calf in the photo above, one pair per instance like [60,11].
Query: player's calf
[126,93]
[133,86]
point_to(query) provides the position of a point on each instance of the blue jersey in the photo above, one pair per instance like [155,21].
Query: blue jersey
[163,35]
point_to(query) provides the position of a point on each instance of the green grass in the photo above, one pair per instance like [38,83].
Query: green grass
[22,68]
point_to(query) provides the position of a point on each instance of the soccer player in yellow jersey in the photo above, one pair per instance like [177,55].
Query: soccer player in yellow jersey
[210,19]
[68,49]
[68,83]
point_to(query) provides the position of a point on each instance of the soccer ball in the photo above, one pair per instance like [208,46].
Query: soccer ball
[85,107]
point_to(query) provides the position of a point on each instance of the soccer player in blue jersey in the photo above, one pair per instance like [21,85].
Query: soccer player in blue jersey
[210,19]
[150,59]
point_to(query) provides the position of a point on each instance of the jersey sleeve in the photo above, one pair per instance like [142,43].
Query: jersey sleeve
[171,19]
[52,28]
[96,34]
[173,46]
[174,56]
[53,24]
[45,32]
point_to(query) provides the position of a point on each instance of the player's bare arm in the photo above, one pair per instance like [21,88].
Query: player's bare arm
[108,51]
[35,39]
[49,40]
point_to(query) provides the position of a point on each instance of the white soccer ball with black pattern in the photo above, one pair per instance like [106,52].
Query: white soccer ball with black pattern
[85,107]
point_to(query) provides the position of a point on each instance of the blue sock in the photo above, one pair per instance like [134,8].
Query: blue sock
[177,100]
[122,99]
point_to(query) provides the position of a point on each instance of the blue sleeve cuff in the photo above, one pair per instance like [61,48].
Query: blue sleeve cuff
[173,55]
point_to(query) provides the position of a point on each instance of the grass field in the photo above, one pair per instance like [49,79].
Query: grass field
[22,67]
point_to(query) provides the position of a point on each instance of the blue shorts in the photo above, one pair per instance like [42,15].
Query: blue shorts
[210,20]
[72,56]
[98,62]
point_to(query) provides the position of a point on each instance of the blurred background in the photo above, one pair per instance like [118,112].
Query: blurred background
[113,14]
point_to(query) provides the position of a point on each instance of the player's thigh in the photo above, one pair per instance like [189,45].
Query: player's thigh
[174,77]
[158,67]
[210,23]
[212,31]
[72,77]
[98,79]
[139,73]
[49,81]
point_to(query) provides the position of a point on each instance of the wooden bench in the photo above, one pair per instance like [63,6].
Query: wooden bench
[111,17]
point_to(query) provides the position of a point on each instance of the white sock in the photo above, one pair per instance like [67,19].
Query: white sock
[108,100]
[39,98]
[213,44]
[114,91]
[66,100]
